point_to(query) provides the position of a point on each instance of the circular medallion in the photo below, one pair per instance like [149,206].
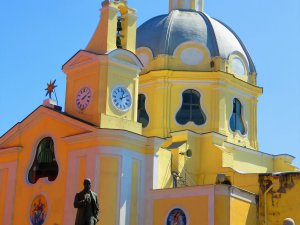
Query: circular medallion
[176,217]
[121,98]
[38,210]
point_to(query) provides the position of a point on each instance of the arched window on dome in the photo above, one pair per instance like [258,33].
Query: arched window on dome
[190,110]
[143,117]
[44,163]
[236,120]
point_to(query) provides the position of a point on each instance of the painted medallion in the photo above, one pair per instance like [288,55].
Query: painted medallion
[38,210]
[176,217]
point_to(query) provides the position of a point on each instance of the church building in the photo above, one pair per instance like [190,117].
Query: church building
[163,119]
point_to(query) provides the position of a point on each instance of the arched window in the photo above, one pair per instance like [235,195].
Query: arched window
[236,121]
[44,164]
[119,31]
[190,109]
[143,117]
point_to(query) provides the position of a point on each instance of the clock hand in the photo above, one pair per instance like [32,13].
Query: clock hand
[124,97]
[84,97]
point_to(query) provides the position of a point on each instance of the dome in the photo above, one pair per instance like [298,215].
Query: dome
[163,34]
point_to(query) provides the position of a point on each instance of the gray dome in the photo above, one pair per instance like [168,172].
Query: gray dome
[162,34]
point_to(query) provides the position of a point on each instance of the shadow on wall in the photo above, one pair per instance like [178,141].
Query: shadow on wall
[252,217]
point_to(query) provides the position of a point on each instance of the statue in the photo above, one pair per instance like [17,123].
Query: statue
[86,202]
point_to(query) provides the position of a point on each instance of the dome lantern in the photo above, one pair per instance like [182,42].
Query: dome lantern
[196,5]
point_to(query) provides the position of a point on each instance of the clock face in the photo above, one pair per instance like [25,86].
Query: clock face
[121,98]
[83,98]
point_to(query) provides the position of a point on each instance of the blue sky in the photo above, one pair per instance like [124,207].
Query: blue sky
[38,37]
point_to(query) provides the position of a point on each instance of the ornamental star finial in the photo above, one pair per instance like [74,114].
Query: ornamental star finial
[50,88]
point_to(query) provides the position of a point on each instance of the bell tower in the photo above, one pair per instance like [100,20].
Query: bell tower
[116,29]
[102,80]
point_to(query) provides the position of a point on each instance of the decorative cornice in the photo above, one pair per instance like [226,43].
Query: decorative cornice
[15,149]
[117,137]
[224,190]
[243,195]
[219,79]
[255,152]
[183,192]
[75,61]
[195,134]
[121,56]
[37,114]
[227,190]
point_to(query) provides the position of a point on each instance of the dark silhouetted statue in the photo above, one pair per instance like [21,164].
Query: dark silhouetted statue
[86,202]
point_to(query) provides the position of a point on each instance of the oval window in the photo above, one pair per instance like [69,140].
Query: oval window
[191,56]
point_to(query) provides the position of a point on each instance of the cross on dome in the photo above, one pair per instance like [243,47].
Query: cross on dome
[197,5]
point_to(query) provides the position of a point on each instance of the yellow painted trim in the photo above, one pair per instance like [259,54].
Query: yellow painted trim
[109,189]
[3,192]
[134,193]
[82,166]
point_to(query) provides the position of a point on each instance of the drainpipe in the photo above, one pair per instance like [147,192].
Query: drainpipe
[266,204]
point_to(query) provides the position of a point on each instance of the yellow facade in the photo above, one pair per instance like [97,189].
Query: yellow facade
[23,144]
[166,171]
[78,155]
[169,83]
[279,197]
[207,204]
